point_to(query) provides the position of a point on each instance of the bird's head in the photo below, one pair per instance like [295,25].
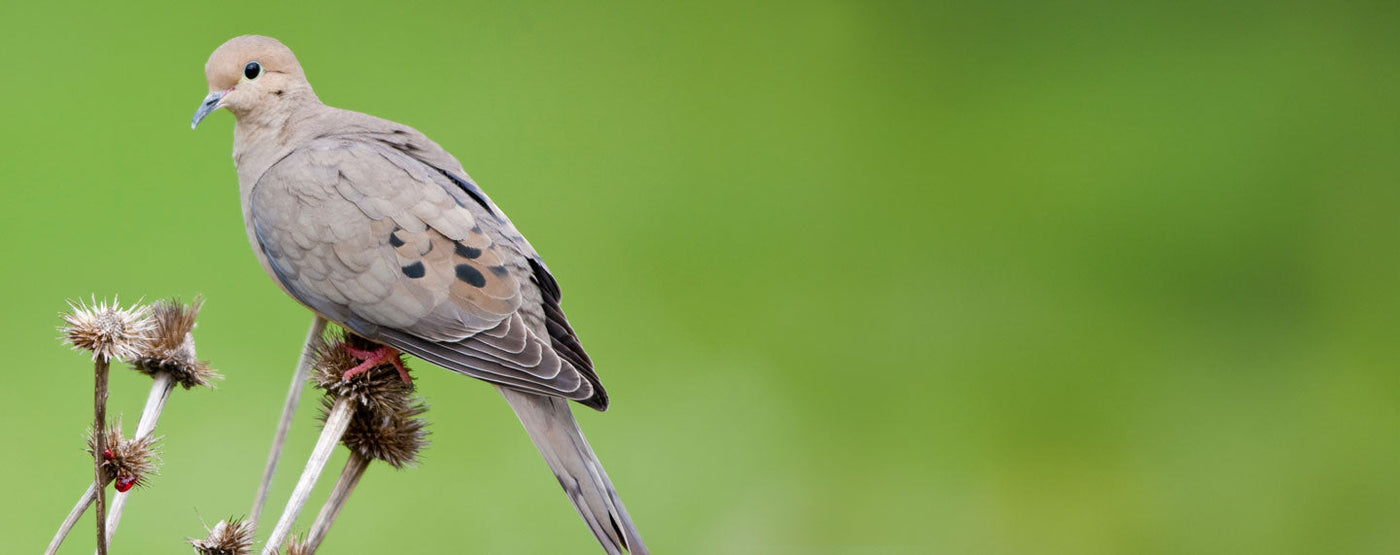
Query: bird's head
[250,75]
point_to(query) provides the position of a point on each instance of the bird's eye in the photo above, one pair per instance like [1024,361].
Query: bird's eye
[252,70]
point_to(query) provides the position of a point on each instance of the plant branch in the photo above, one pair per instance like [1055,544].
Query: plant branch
[99,409]
[354,468]
[336,422]
[161,385]
[289,408]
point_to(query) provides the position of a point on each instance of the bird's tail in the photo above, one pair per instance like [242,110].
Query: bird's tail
[551,426]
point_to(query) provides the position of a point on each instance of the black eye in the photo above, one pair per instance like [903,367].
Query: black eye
[252,70]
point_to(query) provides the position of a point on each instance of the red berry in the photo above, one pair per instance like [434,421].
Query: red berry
[124,483]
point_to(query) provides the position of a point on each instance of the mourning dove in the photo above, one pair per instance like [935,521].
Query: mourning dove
[375,227]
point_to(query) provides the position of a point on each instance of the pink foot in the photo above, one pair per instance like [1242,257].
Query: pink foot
[370,359]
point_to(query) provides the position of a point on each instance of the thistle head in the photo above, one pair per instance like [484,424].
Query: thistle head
[171,348]
[107,331]
[379,388]
[228,537]
[392,436]
[125,462]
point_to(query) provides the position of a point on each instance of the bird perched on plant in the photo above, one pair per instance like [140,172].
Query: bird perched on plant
[375,227]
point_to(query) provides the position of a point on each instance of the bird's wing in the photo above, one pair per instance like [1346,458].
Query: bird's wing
[386,245]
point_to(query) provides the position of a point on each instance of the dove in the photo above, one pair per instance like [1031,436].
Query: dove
[373,226]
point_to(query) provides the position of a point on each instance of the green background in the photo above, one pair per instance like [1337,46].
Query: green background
[1038,277]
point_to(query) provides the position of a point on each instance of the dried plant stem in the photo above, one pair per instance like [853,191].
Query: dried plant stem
[161,386]
[354,468]
[68,523]
[289,408]
[99,410]
[336,422]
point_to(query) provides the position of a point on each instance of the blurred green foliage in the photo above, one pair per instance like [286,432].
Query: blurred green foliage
[861,277]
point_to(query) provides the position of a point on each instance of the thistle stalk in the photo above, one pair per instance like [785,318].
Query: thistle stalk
[99,415]
[350,476]
[304,363]
[336,422]
[161,386]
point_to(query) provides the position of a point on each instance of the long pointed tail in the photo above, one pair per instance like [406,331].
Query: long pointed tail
[551,426]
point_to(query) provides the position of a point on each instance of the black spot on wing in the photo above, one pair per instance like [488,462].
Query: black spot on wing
[414,270]
[467,273]
[500,271]
[467,252]
[394,239]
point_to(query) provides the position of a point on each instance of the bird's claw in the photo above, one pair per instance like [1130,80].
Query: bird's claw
[371,358]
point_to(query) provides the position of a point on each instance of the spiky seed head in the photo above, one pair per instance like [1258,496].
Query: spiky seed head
[393,436]
[379,388]
[126,462]
[107,331]
[296,546]
[228,537]
[171,348]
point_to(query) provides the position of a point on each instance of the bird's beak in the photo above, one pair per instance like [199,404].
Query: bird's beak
[210,104]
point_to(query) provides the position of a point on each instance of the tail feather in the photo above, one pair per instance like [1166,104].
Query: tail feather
[551,426]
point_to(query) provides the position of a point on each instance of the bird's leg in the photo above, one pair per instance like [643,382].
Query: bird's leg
[371,358]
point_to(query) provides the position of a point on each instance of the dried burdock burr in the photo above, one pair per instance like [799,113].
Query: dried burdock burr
[373,389]
[228,537]
[171,347]
[394,436]
[108,332]
[126,463]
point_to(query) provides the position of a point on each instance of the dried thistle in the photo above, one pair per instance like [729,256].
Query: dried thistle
[393,436]
[125,462]
[171,348]
[108,331]
[380,388]
[228,537]
[296,546]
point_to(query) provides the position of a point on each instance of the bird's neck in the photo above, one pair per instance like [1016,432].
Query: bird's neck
[262,137]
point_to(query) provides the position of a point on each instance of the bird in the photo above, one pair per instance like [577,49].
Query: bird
[373,226]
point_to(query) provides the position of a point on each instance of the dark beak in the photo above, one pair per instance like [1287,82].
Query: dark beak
[210,103]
